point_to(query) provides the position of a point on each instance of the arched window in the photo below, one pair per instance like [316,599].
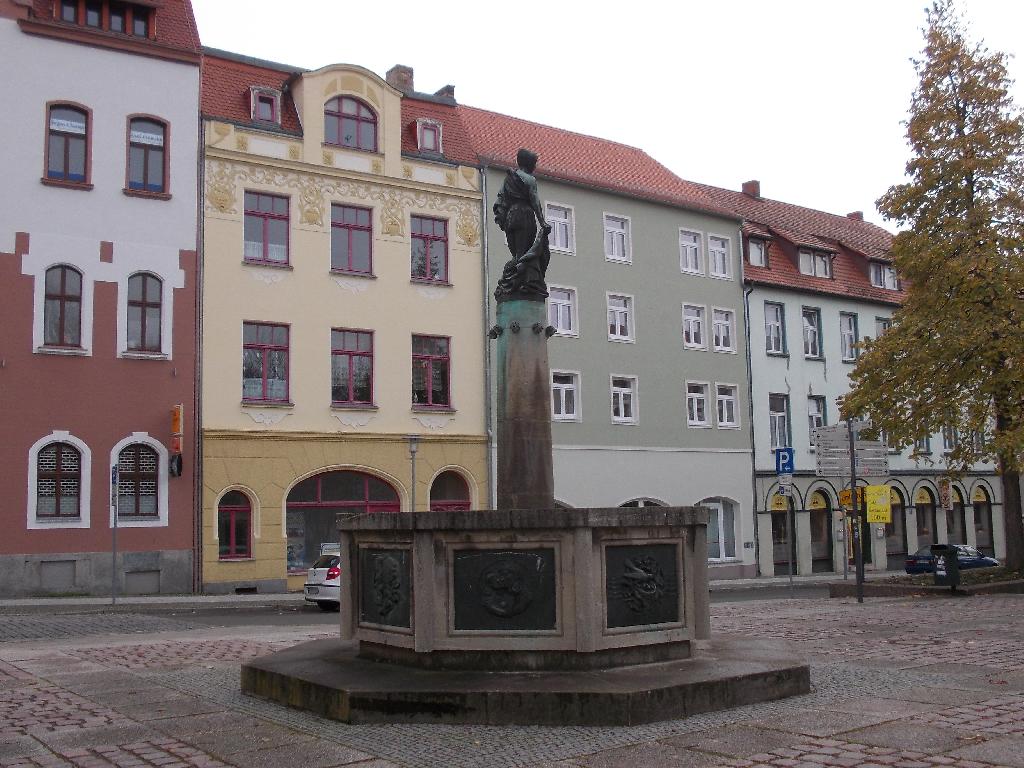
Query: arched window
[58,481]
[983,520]
[67,144]
[147,155]
[62,310]
[314,504]
[234,526]
[896,532]
[144,296]
[819,515]
[721,528]
[642,502]
[956,519]
[924,503]
[350,123]
[138,479]
[449,493]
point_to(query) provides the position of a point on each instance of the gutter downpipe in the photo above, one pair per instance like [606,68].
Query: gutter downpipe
[747,290]
[488,397]
[197,471]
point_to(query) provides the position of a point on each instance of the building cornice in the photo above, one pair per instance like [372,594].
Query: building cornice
[111,41]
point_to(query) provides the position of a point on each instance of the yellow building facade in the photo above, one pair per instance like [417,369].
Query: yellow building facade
[342,285]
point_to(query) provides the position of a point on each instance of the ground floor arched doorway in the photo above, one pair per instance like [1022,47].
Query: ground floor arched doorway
[983,521]
[819,509]
[896,533]
[314,503]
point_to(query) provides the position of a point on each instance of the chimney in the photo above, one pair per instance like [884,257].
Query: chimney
[400,77]
[752,188]
[856,215]
[448,92]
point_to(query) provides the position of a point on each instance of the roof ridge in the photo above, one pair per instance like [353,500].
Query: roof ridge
[241,58]
[554,128]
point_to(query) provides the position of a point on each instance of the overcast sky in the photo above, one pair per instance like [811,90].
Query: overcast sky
[808,96]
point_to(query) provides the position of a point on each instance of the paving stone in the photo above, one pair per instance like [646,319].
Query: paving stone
[734,741]
[650,755]
[15,628]
[824,723]
[1007,751]
[906,735]
[310,753]
[230,741]
[81,738]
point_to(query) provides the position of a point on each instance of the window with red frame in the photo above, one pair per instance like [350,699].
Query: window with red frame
[350,123]
[234,526]
[67,144]
[314,504]
[431,371]
[144,305]
[58,481]
[62,307]
[351,238]
[266,228]
[351,367]
[429,249]
[449,493]
[264,362]
[137,478]
[147,158]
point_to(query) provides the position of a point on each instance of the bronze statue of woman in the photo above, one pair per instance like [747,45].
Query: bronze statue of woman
[520,215]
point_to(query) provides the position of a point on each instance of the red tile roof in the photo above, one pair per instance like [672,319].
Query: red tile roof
[575,157]
[174,25]
[225,89]
[455,142]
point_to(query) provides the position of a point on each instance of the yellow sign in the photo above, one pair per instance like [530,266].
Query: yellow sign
[846,498]
[879,504]
[780,503]
[818,501]
[979,495]
[922,496]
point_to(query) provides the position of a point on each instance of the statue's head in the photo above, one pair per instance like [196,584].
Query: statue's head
[526,160]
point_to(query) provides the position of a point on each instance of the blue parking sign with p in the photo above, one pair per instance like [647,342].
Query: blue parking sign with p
[784,461]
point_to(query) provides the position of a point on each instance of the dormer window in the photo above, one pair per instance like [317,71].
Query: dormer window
[108,15]
[815,263]
[757,252]
[428,136]
[884,276]
[265,105]
[348,122]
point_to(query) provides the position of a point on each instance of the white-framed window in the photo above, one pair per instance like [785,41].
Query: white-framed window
[727,405]
[428,135]
[719,263]
[757,252]
[774,328]
[882,324]
[723,327]
[697,414]
[690,252]
[923,446]
[565,395]
[884,276]
[624,405]
[563,227]
[848,336]
[59,482]
[815,263]
[778,420]
[617,241]
[620,317]
[812,332]
[950,439]
[815,413]
[721,528]
[693,326]
[562,310]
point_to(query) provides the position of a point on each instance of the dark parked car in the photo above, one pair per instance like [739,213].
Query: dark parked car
[923,561]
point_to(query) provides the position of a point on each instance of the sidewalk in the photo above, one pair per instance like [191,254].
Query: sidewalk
[292,600]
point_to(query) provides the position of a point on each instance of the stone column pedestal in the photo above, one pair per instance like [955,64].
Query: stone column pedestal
[525,476]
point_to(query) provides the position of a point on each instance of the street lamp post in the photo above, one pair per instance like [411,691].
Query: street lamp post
[414,445]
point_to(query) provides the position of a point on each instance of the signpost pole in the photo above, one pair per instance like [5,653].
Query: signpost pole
[113,535]
[856,525]
[784,466]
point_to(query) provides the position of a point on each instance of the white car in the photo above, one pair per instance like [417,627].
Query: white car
[323,583]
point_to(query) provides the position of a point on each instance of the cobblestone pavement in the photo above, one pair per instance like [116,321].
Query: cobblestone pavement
[907,683]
